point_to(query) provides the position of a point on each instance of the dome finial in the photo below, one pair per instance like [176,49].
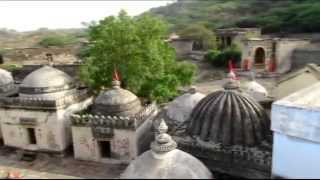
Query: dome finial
[50,59]
[163,142]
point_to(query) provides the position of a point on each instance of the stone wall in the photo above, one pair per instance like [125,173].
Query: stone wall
[284,53]
[182,47]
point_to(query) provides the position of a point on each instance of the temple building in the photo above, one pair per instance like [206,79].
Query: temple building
[36,118]
[115,128]
[229,132]
[7,87]
[164,161]
[295,125]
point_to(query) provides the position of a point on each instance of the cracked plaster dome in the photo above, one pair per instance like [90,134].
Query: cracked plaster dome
[180,109]
[117,102]
[164,161]
[6,81]
[46,80]
[230,117]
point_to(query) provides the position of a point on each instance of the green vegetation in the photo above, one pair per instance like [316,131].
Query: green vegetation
[136,47]
[221,58]
[58,40]
[270,15]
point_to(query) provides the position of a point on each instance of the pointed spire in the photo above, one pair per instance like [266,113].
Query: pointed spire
[163,142]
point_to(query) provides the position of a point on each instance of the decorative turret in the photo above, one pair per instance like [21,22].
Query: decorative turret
[164,161]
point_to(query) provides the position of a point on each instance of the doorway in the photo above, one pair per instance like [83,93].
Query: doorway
[1,59]
[31,136]
[259,58]
[105,149]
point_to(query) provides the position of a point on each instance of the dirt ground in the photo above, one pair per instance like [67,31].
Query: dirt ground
[48,167]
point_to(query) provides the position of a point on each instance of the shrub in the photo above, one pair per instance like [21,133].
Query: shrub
[221,58]
[57,40]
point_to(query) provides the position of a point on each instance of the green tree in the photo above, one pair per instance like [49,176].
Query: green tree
[136,47]
[58,40]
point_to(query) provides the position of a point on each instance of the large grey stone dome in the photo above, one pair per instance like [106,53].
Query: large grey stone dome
[164,161]
[6,82]
[117,101]
[230,117]
[46,80]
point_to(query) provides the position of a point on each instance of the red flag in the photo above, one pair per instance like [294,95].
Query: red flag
[116,76]
[232,74]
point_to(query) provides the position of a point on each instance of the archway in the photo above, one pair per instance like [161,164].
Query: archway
[197,46]
[259,58]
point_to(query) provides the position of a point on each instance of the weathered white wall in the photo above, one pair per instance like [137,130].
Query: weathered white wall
[53,129]
[295,158]
[284,52]
[295,123]
[50,132]
[123,145]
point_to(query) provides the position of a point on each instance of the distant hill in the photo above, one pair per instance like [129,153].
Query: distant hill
[273,16]
[14,39]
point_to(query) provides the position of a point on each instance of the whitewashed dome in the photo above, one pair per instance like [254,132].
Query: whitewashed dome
[180,109]
[117,102]
[164,161]
[46,82]
[6,82]
[256,90]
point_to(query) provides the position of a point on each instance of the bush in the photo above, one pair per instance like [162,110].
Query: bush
[57,40]
[221,58]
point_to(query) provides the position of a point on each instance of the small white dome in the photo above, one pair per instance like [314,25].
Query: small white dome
[256,90]
[164,161]
[46,83]
[117,101]
[180,109]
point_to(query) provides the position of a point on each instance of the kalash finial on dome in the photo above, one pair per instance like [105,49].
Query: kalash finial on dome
[233,82]
[163,142]
[116,83]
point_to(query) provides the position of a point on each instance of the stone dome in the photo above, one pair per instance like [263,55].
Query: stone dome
[6,81]
[256,90]
[230,117]
[46,80]
[117,101]
[164,161]
[180,109]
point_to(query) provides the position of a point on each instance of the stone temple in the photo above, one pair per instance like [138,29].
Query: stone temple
[115,127]
[36,117]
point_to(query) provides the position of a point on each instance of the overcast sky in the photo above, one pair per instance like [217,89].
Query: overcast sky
[31,15]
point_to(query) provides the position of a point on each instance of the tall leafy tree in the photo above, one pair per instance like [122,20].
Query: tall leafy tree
[136,47]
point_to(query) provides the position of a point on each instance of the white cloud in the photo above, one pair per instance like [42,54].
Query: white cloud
[31,15]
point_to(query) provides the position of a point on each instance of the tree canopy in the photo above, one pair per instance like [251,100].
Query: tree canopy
[135,46]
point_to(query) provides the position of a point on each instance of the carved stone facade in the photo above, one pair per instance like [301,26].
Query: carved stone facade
[269,54]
